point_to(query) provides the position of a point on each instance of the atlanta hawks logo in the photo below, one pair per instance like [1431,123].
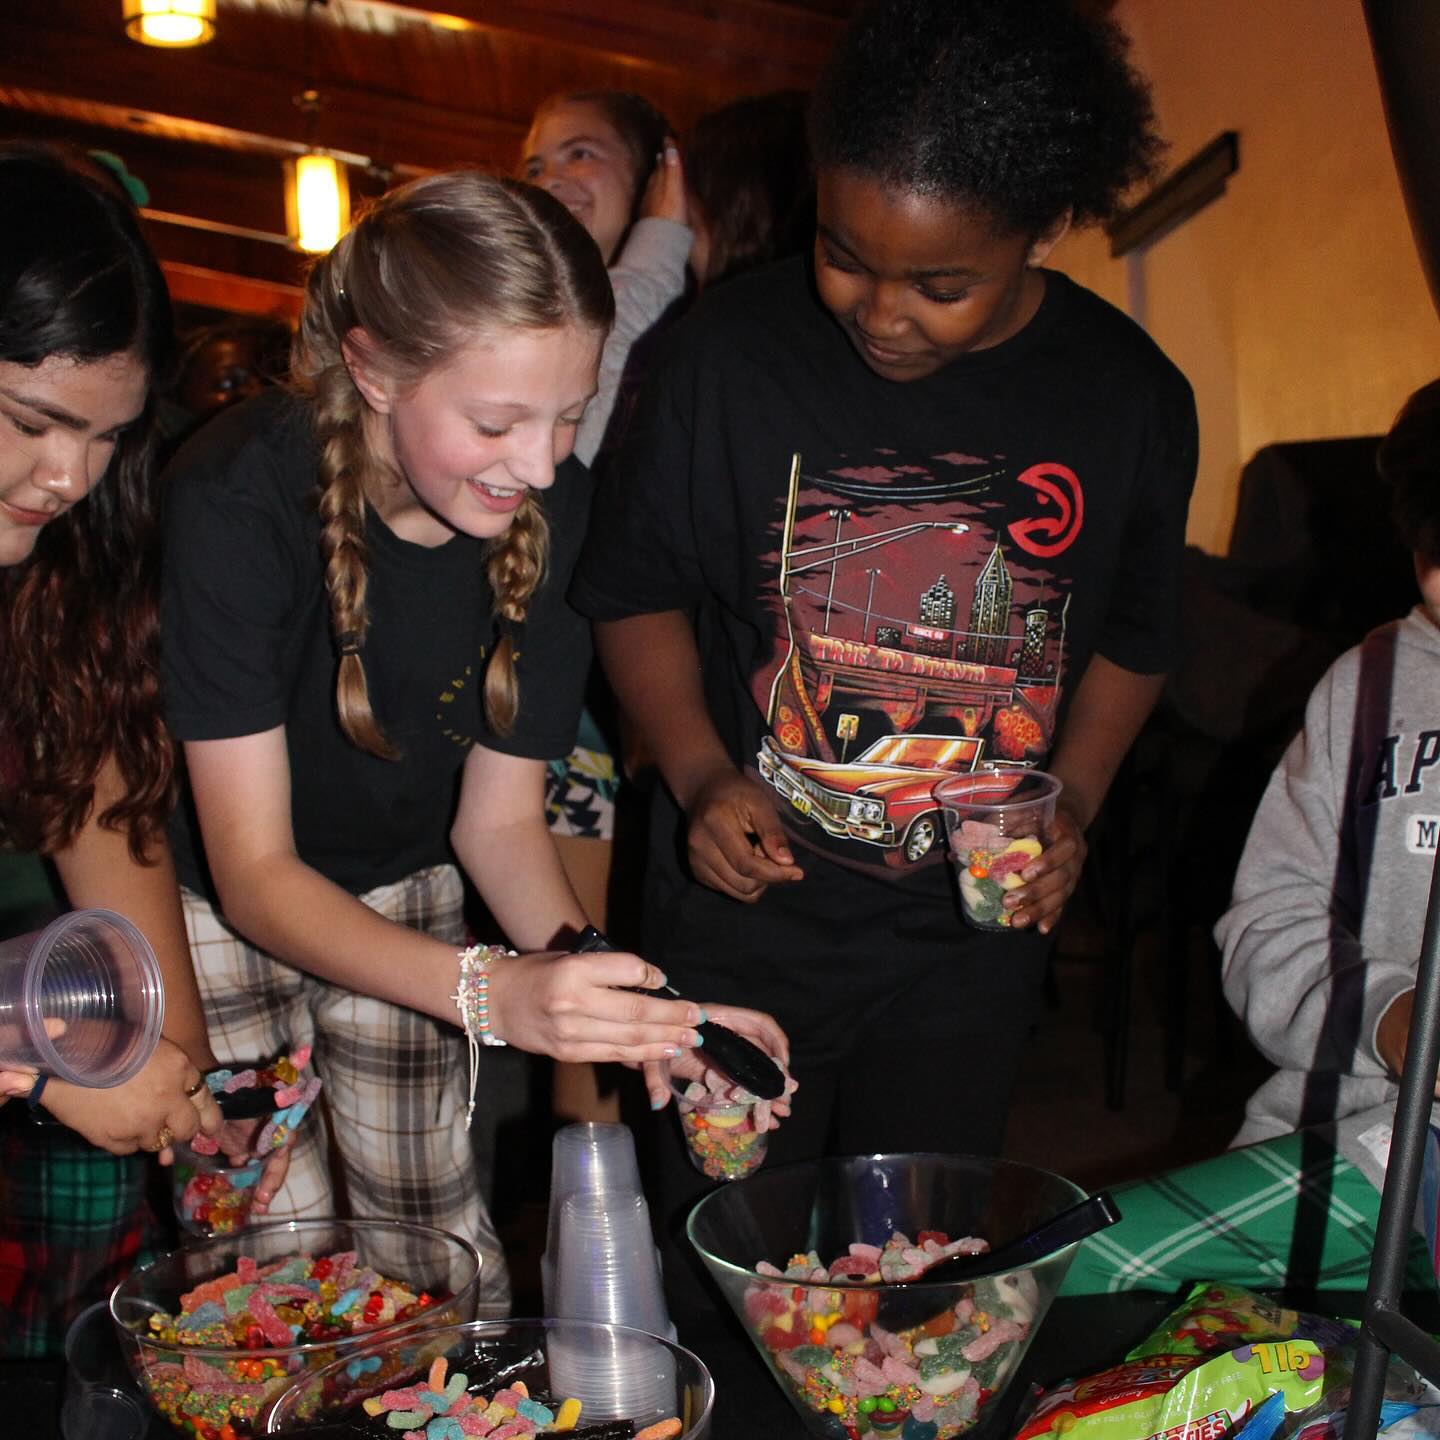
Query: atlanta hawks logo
[1052,533]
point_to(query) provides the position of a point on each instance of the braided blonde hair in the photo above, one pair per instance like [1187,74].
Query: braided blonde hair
[429,268]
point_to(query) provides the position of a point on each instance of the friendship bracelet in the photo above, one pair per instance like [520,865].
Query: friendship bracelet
[472,1000]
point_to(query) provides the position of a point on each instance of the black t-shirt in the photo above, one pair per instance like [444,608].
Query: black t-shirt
[893,581]
[248,646]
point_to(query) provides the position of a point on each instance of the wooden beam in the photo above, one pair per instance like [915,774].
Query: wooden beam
[762,44]
[135,80]
[256,257]
[227,187]
[194,285]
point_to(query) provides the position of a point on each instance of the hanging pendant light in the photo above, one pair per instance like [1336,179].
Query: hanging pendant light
[317,201]
[171,23]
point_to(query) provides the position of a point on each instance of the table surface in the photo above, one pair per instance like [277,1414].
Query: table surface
[1079,1335]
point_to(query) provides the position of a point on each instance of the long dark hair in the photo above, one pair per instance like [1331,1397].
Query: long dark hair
[79,632]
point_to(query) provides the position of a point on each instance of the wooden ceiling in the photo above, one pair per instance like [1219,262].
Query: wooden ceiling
[403,89]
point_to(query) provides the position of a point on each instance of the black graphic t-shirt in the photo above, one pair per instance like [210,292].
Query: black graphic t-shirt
[247,646]
[894,582]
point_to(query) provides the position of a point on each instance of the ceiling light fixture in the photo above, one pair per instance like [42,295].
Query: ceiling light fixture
[317,186]
[173,24]
[317,201]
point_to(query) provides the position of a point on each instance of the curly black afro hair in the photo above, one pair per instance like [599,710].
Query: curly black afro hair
[1025,109]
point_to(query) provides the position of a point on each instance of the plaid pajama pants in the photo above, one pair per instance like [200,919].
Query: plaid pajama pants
[74,1221]
[395,1080]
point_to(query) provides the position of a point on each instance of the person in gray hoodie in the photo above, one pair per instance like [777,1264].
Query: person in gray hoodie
[1322,939]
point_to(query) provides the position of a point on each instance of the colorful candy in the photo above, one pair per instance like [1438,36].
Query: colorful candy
[988,865]
[927,1383]
[726,1127]
[449,1406]
[265,1309]
[211,1197]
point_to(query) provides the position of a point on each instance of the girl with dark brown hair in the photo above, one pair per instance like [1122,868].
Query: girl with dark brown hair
[369,659]
[86,767]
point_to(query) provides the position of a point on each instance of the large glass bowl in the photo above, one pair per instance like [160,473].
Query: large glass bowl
[922,1361]
[616,1373]
[202,1389]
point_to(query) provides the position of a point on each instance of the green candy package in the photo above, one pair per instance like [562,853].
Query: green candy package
[1211,1364]
[1216,1317]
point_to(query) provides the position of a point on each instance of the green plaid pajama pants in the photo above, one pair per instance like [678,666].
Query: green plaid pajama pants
[396,1081]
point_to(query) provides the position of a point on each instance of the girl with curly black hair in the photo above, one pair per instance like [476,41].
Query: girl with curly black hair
[922,501]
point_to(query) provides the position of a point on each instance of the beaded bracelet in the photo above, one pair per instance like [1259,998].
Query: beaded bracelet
[472,1000]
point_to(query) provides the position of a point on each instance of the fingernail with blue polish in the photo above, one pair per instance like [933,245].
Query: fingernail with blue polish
[657,1102]
[704,1016]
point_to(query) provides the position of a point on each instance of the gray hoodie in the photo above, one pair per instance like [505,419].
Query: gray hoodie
[1324,928]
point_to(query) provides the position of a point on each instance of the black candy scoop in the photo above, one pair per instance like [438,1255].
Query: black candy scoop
[741,1059]
[912,1302]
[246,1104]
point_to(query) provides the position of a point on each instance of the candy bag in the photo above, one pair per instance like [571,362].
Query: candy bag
[1181,1395]
[1216,1317]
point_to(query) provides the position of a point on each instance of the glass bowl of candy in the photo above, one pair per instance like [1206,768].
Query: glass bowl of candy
[823,1262]
[579,1378]
[214,1331]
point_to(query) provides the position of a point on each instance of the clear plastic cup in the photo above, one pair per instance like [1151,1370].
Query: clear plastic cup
[605,1266]
[724,1130]
[100,1400]
[997,822]
[616,1374]
[212,1197]
[95,972]
[585,1159]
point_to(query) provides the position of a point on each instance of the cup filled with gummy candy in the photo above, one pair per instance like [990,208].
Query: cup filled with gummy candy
[212,1196]
[726,1128]
[824,1264]
[511,1378]
[215,1331]
[997,822]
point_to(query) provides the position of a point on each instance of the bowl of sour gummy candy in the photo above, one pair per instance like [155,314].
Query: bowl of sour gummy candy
[215,1331]
[823,1263]
[510,1378]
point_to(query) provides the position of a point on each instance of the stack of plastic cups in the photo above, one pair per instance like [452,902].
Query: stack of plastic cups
[588,1159]
[601,1264]
[100,1399]
[605,1270]
[81,1000]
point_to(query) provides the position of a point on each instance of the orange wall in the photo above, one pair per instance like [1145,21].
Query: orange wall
[1295,302]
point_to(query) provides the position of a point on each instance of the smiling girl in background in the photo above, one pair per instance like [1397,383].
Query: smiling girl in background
[608,156]
[369,658]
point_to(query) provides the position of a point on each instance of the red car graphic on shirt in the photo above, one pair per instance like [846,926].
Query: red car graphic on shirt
[882,797]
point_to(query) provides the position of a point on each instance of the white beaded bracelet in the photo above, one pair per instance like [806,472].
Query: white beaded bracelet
[472,1000]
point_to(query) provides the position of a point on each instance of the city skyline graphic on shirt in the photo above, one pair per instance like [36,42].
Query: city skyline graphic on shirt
[920,627]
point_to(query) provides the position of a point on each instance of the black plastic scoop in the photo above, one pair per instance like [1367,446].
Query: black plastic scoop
[913,1302]
[741,1059]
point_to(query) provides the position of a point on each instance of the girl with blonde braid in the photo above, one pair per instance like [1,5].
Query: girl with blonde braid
[369,659]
